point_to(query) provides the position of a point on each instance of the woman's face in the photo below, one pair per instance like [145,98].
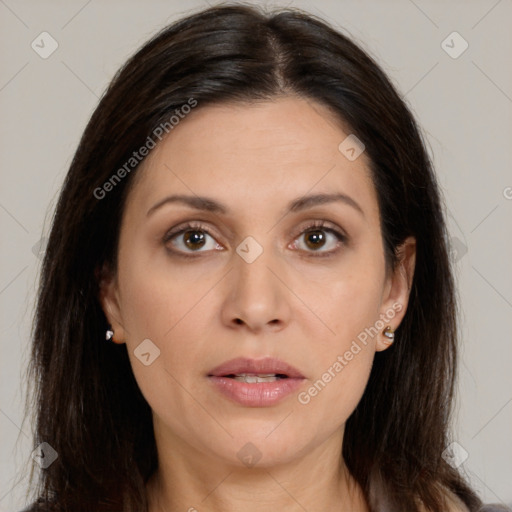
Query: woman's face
[266,269]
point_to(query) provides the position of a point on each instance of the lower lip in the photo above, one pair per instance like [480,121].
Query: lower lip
[258,394]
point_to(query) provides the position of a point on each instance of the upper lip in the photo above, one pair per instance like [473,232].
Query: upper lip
[267,365]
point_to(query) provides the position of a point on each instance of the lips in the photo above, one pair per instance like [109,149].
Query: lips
[266,368]
[256,382]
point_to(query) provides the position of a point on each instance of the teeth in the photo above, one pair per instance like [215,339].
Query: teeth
[251,378]
[255,375]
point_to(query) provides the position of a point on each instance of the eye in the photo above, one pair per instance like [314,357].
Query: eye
[191,238]
[319,238]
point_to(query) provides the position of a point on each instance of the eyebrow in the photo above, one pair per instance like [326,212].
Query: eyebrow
[210,205]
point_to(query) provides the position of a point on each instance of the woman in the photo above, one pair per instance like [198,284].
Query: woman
[252,222]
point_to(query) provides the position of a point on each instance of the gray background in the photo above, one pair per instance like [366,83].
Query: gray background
[463,104]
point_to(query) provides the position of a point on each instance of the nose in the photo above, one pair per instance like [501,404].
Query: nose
[256,300]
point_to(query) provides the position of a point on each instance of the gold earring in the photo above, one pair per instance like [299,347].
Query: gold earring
[389,334]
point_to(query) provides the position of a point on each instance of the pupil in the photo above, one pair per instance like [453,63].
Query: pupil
[317,237]
[194,237]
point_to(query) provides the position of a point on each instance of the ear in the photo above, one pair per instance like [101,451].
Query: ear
[110,303]
[397,290]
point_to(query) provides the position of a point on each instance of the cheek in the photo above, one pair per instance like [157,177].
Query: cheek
[174,313]
[351,303]
[156,298]
[344,354]
[343,363]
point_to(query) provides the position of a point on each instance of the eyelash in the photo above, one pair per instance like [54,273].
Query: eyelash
[194,226]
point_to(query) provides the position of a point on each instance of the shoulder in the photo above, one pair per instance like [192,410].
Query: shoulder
[455,504]
[452,502]
[38,507]
[31,508]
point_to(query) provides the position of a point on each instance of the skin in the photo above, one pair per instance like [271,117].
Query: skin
[289,303]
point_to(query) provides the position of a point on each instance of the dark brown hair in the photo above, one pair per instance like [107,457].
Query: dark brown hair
[88,405]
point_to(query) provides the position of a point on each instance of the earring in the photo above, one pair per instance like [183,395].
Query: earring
[109,334]
[390,335]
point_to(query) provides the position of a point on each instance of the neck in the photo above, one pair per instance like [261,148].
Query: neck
[319,481]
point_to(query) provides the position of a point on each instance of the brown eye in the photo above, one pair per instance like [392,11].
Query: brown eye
[190,239]
[319,240]
[315,239]
[194,239]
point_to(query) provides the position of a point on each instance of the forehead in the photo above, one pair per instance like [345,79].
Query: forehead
[246,154]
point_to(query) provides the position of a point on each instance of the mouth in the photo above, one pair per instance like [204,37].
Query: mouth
[256,382]
[255,378]
[246,370]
